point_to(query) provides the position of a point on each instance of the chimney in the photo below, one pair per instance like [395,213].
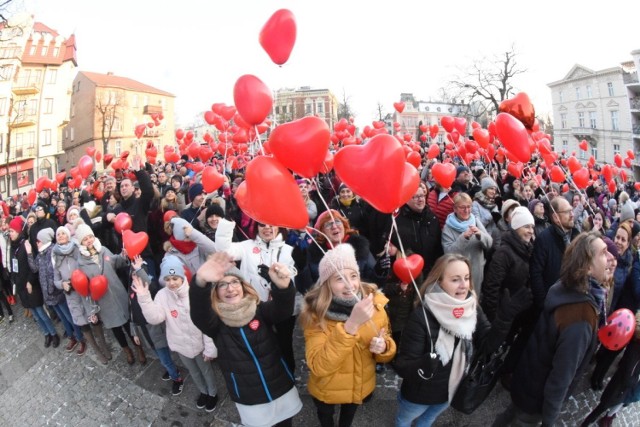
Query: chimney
[109,73]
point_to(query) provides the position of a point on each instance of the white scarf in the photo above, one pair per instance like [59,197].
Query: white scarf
[96,245]
[457,319]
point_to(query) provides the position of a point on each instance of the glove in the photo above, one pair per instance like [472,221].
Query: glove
[512,305]
[383,265]
[263,271]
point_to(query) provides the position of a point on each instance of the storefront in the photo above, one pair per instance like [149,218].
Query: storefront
[21,176]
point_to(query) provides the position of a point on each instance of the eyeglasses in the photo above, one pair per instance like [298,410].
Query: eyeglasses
[39,208]
[464,208]
[419,196]
[224,285]
[330,225]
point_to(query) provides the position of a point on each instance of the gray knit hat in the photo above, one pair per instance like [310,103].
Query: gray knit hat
[233,271]
[341,257]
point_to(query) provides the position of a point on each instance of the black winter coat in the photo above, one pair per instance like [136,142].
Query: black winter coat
[23,275]
[249,356]
[420,234]
[40,224]
[139,208]
[426,382]
[509,269]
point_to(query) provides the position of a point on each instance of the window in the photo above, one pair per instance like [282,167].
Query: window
[610,88]
[78,89]
[561,96]
[32,50]
[6,72]
[307,108]
[56,51]
[277,109]
[565,144]
[614,120]
[33,107]
[589,94]
[116,124]
[48,105]
[71,134]
[73,109]
[1,143]
[284,109]
[616,148]
[145,100]
[46,137]
[583,155]
[581,119]
[31,139]
[46,169]
[118,148]
[135,101]
[52,76]
[592,119]
[578,93]
[44,51]
[594,152]
[3,106]
[320,107]
[563,120]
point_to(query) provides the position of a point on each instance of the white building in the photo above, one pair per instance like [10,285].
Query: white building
[596,106]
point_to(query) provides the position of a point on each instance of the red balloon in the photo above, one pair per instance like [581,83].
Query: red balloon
[618,160]
[482,137]
[515,169]
[583,145]
[521,108]
[301,145]
[91,151]
[268,180]
[211,179]
[619,329]
[631,154]
[460,123]
[60,176]
[327,164]
[139,130]
[358,166]
[581,178]
[252,99]
[278,36]
[434,151]
[414,159]
[134,243]
[574,164]
[123,222]
[447,123]
[409,186]
[32,196]
[556,174]
[399,106]
[98,286]
[444,174]
[637,186]
[80,282]
[433,131]
[42,183]
[107,159]
[179,134]
[408,269]
[85,166]
[513,136]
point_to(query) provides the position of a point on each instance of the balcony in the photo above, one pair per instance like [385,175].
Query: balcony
[634,104]
[26,87]
[589,134]
[636,131]
[152,109]
[22,152]
[631,80]
[23,120]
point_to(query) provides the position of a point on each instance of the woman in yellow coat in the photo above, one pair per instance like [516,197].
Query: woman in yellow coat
[346,331]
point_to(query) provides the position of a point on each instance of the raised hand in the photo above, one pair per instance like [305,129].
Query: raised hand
[139,286]
[361,313]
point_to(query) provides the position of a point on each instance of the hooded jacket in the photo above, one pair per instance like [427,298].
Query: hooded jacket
[560,348]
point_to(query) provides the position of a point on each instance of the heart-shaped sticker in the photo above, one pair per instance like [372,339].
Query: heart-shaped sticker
[254,324]
[174,314]
[458,312]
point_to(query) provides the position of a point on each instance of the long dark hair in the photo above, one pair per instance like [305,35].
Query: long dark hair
[576,261]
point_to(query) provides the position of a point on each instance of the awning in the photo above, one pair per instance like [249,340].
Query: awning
[17,167]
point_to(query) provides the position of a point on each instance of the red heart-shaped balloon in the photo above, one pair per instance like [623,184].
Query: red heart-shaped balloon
[573,164]
[521,108]
[556,174]
[460,123]
[134,243]
[414,159]
[211,179]
[434,151]
[447,123]
[252,98]
[513,136]
[267,180]
[123,222]
[42,183]
[619,329]
[301,145]
[408,268]
[91,151]
[618,160]
[80,282]
[409,186]
[515,169]
[359,167]
[482,137]
[98,286]
[278,36]
[399,106]
[581,178]
[583,145]
[433,131]
[444,174]
[85,166]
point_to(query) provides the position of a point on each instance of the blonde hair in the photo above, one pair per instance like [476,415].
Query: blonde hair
[247,290]
[317,301]
[438,270]
[461,197]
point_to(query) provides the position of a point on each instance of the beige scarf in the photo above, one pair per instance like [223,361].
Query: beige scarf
[238,315]
[457,319]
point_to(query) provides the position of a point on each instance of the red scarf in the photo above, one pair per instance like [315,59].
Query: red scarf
[182,245]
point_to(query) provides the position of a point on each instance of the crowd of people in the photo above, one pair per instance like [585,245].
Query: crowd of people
[509,262]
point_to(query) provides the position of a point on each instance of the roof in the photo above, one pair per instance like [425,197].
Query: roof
[39,27]
[110,80]
[66,51]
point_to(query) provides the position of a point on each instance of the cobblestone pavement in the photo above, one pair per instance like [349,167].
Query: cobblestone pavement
[50,387]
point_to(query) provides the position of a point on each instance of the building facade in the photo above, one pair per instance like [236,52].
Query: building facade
[632,80]
[37,66]
[294,104]
[594,106]
[105,110]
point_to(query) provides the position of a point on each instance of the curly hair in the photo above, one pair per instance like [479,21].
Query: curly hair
[576,262]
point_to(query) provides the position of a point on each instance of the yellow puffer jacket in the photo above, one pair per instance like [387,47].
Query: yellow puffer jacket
[342,369]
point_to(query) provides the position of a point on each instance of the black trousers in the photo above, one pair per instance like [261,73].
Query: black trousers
[325,413]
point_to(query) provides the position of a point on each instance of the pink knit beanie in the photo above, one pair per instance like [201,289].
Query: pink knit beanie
[341,257]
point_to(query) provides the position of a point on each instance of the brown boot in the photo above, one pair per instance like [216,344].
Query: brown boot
[27,313]
[90,339]
[127,351]
[142,358]
[98,332]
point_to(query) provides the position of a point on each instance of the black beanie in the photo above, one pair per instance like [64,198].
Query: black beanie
[214,209]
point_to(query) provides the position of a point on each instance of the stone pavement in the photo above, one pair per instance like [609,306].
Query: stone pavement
[50,387]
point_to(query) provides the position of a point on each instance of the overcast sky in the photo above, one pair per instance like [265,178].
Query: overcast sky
[371,50]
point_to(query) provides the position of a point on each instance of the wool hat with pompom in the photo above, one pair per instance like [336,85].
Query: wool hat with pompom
[341,257]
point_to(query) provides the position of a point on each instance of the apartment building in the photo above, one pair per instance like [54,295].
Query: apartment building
[294,104]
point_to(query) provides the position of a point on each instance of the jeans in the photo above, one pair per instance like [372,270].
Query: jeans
[202,374]
[44,321]
[424,415]
[164,355]
[65,316]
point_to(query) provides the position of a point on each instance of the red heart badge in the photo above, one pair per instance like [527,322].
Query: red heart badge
[458,312]
[254,324]
[174,314]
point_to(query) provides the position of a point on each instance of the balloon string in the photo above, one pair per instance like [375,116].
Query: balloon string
[571,181]
[260,145]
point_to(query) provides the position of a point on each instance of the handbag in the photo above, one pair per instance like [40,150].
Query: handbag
[483,374]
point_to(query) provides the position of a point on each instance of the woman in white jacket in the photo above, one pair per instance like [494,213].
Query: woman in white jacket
[171,305]
[256,256]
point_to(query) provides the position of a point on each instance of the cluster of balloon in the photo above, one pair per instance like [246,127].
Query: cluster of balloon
[387,188]
[156,119]
[344,133]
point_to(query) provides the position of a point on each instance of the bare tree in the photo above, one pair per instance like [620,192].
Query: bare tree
[109,104]
[380,111]
[487,82]
[344,107]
